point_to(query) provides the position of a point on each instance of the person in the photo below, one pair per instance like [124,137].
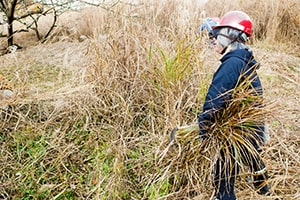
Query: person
[230,35]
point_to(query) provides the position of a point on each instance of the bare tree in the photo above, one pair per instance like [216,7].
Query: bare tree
[8,8]
[16,10]
[28,13]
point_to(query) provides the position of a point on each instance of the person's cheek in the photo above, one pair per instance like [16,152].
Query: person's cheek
[217,47]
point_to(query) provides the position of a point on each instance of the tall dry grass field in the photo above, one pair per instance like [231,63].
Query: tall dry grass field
[95,104]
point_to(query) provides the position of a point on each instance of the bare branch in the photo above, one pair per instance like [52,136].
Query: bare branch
[28,13]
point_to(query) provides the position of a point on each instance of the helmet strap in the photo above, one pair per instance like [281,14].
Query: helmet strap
[237,39]
[233,39]
[224,50]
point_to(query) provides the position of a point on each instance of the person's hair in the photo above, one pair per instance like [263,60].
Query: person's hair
[231,37]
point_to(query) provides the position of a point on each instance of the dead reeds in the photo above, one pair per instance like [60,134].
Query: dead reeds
[92,117]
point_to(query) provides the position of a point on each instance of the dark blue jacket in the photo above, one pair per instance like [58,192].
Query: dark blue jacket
[234,64]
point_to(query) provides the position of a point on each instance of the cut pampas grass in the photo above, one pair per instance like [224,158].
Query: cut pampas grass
[188,162]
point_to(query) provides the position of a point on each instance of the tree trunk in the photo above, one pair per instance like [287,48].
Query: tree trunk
[10,37]
[10,19]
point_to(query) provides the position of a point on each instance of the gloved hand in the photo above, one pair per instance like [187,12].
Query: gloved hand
[203,136]
[172,135]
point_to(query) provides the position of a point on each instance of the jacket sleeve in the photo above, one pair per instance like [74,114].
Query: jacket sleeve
[219,90]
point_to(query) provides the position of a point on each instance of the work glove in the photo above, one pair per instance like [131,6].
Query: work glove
[172,135]
[203,135]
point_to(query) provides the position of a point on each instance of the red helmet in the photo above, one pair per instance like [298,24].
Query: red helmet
[237,20]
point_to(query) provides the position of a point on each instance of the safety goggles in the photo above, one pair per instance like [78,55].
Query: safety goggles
[215,33]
